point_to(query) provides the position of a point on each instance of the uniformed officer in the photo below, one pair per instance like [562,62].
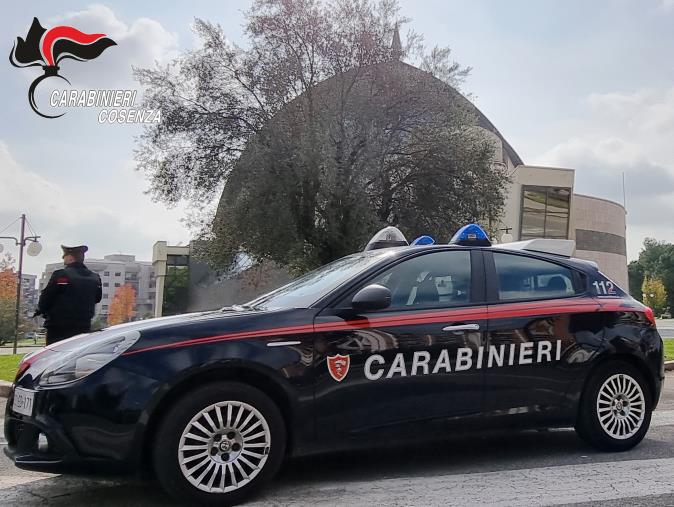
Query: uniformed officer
[69,300]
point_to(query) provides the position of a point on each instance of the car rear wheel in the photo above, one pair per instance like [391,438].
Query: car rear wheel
[219,444]
[615,409]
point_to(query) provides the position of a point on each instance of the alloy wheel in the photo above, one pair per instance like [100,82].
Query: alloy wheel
[621,406]
[224,447]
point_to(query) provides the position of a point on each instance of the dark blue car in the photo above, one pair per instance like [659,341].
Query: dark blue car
[380,346]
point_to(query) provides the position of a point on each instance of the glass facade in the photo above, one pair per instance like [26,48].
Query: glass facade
[176,285]
[545,212]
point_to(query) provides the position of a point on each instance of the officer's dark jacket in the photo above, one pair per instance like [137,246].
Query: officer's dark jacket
[70,297]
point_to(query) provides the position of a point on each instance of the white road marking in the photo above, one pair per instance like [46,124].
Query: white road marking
[528,487]
[10,481]
[662,418]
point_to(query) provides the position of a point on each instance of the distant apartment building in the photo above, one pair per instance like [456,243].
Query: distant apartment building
[29,294]
[117,270]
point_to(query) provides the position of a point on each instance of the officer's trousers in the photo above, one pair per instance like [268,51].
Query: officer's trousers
[58,333]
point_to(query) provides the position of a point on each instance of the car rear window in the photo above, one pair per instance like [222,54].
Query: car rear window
[523,277]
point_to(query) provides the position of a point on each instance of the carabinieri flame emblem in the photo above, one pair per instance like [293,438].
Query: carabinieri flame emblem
[47,48]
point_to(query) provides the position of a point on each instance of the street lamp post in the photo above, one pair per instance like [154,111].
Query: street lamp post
[506,237]
[21,243]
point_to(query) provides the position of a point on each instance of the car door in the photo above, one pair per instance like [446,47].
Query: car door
[384,371]
[541,323]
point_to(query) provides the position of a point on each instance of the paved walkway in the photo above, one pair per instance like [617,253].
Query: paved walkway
[6,351]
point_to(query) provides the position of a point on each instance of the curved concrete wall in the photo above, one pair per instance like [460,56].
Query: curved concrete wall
[598,227]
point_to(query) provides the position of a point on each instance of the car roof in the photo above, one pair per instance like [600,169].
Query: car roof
[580,264]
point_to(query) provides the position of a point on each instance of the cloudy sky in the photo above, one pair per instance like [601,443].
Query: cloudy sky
[570,83]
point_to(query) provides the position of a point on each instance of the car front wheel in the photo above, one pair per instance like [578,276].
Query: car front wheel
[615,409]
[219,444]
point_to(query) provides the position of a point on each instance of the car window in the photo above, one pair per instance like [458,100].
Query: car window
[435,279]
[311,287]
[522,277]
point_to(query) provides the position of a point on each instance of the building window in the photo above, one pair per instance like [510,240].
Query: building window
[177,260]
[104,307]
[117,285]
[106,284]
[106,273]
[545,212]
[105,296]
[118,274]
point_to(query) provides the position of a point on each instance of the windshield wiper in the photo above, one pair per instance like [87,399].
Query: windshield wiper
[235,308]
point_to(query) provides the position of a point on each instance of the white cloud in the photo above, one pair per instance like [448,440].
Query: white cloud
[600,164]
[140,44]
[643,110]
[578,151]
[626,133]
[111,217]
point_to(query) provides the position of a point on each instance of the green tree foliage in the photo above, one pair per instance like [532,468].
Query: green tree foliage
[635,273]
[176,288]
[97,324]
[317,134]
[7,299]
[656,260]
[655,295]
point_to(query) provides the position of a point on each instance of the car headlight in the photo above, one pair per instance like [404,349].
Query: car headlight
[90,356]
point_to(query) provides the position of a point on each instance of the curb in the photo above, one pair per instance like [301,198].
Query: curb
[669,365]
[5,388]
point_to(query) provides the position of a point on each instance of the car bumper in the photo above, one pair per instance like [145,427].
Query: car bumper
[43,443]
[61,464]
[90,426]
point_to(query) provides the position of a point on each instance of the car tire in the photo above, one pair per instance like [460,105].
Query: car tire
[615,407]
[219,444]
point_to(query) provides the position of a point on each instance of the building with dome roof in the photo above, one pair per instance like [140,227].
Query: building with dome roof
[540,201]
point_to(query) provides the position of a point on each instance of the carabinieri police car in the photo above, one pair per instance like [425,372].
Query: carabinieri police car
[381,346]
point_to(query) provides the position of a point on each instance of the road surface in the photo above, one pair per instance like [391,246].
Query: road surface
[666,328]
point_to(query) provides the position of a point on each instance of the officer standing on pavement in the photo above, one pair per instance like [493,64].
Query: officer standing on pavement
[69,300]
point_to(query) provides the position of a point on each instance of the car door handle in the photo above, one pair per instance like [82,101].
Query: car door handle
[462,327]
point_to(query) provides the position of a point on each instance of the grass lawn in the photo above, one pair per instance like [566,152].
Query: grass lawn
[669,349]
[8,366]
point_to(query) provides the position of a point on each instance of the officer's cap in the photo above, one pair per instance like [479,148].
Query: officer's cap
[75,251]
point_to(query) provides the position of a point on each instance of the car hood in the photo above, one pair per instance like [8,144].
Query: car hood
[152,324]
[144,329]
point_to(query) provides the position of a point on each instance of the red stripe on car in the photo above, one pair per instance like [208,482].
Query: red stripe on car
[499,311]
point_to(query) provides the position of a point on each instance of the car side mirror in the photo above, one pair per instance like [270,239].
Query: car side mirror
[372,297]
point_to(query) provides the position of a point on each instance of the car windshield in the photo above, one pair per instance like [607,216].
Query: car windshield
[311,287]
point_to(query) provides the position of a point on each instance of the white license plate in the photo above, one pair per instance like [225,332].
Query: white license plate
[23,401]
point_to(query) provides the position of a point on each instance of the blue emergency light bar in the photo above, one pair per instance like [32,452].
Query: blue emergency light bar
[423,240]
[470,235]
